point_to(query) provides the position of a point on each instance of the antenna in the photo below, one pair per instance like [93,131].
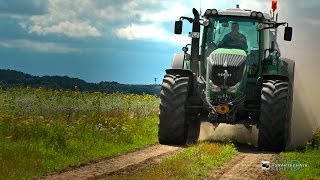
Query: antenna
[200,8]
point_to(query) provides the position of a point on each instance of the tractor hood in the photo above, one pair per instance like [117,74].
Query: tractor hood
[227,70]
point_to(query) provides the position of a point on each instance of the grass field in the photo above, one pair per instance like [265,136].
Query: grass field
[45,130]
[309,156]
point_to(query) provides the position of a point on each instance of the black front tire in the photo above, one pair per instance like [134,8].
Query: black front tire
[274,123]
[177,126]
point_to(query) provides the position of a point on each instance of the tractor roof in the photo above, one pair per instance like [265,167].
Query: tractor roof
[240,12]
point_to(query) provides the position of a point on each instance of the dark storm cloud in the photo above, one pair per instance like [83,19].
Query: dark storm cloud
[23,7]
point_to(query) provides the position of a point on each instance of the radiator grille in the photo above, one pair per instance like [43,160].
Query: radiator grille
[233,63]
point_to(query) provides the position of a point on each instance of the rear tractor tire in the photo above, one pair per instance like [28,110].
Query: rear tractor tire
[177,125]
[274,123]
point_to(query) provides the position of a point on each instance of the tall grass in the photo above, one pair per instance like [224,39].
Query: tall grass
[309,156]
[44,130]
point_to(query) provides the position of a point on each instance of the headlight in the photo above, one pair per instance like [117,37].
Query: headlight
[208,12]
[214,11]
[260,15]
[211,12]
[234,89]
[254,14]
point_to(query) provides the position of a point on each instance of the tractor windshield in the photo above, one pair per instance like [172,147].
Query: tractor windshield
[232,33]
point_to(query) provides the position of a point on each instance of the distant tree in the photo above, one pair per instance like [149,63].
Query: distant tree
[10,78]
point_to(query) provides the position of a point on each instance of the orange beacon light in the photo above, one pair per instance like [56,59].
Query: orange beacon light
[274,5]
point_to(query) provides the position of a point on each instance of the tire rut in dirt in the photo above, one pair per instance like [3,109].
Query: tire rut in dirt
[246,166]
[105,167]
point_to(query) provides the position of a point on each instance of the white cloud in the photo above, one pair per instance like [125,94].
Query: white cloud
[171,12]
[49,47]
[86,18]
[70,18]
[108,13]
[71,29]
[150,22]
[151,32]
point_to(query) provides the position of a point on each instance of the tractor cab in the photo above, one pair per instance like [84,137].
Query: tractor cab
[232,32]
[251,31]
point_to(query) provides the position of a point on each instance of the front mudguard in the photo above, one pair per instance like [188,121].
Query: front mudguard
[290,69]
[178,61]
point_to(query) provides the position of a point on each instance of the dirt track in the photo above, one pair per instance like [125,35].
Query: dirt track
[105,167]
[246,165]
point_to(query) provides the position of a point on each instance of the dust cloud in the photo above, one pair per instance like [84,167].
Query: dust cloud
[305,115]
[226,132]
[306,108]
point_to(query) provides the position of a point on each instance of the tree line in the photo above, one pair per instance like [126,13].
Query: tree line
[12,78]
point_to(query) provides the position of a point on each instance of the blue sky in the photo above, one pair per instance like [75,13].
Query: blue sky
[129,41]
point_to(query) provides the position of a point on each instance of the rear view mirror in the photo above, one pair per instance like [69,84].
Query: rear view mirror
[288,34]
[185,49]
[178,27]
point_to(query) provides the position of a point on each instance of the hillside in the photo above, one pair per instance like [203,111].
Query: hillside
[12,78]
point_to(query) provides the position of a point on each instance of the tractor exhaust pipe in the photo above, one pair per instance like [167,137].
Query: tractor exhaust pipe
[195,41]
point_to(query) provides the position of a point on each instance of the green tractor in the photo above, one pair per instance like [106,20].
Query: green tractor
[235,74]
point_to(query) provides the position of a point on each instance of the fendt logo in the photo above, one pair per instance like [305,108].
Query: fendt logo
[222,75]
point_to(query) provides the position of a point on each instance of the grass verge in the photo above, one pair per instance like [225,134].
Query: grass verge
[309,156]
[191,163]
[44,130]
[40,149]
